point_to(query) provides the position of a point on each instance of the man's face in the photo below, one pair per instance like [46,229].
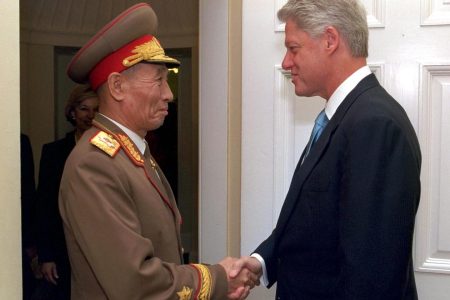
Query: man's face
[304,58]
[147,97]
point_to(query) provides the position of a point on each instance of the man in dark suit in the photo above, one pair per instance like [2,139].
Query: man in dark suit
[345,230]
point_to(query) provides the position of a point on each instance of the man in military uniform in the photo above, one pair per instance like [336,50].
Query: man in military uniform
[121,221]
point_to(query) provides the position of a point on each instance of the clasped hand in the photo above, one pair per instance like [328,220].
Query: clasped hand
[243,274]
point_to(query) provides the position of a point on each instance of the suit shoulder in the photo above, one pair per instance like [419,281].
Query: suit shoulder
[67,142]
[105,142]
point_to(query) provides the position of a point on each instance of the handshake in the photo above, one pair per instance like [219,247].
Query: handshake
[243,274]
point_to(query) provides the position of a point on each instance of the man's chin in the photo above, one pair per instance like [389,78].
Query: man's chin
[301,93]
[156,125]
[304,93]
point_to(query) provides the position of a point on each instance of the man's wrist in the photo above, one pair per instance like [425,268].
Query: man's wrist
[265,278]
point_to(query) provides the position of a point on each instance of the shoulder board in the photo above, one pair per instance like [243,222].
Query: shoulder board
[106,142]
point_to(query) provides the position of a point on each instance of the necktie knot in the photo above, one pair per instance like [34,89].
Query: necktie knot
[322,119]
[319,125]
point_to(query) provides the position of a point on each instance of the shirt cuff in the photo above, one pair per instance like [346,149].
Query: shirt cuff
[263,266]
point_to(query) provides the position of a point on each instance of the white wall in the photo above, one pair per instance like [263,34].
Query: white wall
[10,261]
[213,98]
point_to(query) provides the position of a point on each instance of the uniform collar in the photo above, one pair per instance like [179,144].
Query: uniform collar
[135,138]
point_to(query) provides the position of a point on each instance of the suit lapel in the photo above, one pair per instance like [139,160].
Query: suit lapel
[302,171]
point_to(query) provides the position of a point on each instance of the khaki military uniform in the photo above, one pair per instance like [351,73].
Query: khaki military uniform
[122,225]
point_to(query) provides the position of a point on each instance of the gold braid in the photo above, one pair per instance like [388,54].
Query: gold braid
[206,282]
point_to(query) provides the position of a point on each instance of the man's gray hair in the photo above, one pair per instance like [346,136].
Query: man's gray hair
[347,16]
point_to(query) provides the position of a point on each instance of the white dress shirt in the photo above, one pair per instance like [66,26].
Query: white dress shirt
[137,140]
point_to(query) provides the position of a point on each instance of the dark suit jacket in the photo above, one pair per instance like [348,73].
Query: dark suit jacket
[346,227]
[50,238]
[28,191]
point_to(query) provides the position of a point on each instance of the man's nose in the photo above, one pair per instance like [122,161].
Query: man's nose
[287,62]
[166,93]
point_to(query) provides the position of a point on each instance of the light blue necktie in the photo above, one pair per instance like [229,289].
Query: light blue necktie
[319,125]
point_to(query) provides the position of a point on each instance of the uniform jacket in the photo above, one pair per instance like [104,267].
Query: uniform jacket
[122,225]
[346,227]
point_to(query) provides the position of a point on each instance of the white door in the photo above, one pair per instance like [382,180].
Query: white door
[410,54]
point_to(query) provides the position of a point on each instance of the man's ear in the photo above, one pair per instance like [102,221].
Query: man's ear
[332,39]
[116,83]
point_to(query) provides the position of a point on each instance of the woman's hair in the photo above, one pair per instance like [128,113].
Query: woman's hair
[80,93]
[349,17]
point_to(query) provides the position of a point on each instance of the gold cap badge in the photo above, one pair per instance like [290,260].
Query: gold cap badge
[150,51]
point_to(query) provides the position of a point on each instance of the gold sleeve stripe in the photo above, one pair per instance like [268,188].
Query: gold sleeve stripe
[204,292]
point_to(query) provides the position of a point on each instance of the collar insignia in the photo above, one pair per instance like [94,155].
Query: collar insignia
[131,149]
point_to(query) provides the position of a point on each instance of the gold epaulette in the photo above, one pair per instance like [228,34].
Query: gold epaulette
[106,142]
[204,291]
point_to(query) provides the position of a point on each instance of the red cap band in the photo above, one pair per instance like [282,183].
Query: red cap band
[114,62]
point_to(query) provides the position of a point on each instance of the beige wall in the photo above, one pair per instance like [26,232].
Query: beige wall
[234,126]
[10,262]
[37,94]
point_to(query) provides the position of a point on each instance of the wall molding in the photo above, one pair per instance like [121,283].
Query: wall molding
[377,69]
[279,26]
[434,12]
[432,244]
[284,156]
[375,13]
